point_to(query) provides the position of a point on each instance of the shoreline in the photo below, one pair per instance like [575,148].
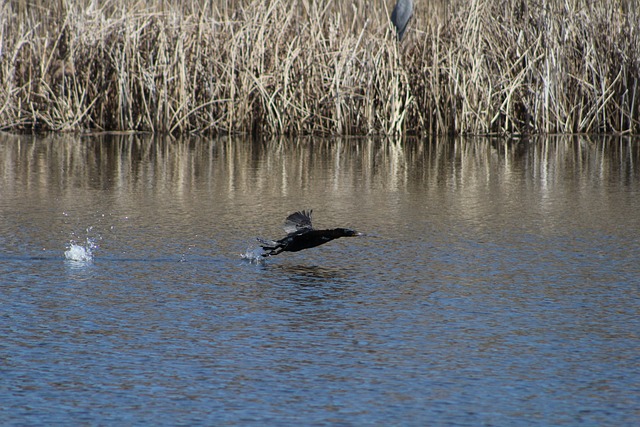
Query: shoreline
[290,68]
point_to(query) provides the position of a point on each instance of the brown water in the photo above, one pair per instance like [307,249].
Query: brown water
[497,283]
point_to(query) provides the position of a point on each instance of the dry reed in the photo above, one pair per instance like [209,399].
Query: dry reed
[320,67]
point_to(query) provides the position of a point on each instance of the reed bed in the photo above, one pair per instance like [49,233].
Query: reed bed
[320,67]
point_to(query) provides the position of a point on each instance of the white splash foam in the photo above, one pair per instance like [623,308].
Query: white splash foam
[254,256]
[80,253]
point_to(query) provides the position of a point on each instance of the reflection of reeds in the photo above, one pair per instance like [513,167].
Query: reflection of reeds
[303,66]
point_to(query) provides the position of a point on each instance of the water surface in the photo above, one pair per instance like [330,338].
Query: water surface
[497,283]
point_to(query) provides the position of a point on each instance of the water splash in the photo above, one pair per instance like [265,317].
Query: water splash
[254,255]
[81,253]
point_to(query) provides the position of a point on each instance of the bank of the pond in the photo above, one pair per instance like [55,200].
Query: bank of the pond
[297,67]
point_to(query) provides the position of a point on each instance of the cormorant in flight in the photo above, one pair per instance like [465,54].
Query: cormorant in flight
[301,235]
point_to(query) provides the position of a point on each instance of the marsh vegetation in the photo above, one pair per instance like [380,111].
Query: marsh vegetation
[320,67]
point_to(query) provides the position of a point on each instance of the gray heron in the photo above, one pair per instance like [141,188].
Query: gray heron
[400,16]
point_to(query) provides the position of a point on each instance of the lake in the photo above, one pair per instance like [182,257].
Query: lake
[497,282]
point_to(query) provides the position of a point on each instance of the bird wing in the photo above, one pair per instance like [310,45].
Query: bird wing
[298,221]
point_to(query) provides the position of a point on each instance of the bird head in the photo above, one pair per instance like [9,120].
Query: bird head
[347,232]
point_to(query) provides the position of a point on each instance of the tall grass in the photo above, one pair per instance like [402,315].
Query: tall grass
[320,66]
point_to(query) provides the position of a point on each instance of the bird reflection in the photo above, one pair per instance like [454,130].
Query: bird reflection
[312,276]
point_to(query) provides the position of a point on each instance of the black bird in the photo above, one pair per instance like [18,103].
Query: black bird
[301,235]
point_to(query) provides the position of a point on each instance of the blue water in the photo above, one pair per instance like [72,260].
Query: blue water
[483,293]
